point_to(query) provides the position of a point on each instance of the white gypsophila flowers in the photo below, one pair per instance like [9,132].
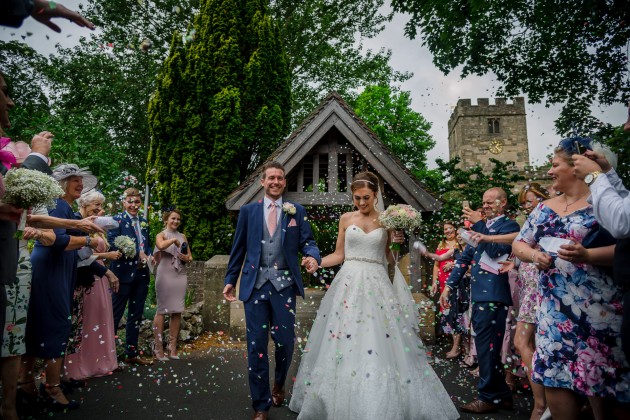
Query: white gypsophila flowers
[400,217]
[126,245]
[26,188]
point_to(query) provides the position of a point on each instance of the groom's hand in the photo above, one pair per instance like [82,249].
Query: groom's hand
[228,293]
[310,264]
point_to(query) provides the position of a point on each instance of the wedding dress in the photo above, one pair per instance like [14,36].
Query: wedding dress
[364,359]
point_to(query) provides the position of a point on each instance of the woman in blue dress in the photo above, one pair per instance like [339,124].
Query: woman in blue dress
[578,343]
[54,275]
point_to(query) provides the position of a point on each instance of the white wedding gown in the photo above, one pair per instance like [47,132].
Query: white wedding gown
[364,359]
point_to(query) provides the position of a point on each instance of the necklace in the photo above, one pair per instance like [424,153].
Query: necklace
[566,207]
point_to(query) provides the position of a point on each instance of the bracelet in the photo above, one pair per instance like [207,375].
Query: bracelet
[533,255]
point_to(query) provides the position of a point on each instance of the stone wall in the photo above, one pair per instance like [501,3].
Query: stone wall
[196,280]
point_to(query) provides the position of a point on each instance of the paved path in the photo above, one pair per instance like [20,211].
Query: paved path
[211,384]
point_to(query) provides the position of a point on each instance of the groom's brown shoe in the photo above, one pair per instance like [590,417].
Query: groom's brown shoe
[260,415]
[478,407]
[277,396]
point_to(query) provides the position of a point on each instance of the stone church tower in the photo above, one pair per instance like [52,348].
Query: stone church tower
[479,132]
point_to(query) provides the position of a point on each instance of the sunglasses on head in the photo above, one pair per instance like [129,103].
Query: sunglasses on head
[576,145]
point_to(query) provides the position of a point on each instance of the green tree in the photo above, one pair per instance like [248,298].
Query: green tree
[388,113]
[222,105]
[323,39]
[572,53]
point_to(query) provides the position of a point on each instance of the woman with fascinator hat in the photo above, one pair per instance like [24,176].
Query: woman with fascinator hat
[578,344]
[53,283]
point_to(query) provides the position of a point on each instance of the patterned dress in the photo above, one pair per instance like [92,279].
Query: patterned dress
[578,343]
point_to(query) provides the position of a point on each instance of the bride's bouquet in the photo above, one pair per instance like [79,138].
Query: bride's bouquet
[400,217]
[26,188]
[126,245]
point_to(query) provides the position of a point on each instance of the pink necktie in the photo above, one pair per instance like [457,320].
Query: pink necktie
[272,218]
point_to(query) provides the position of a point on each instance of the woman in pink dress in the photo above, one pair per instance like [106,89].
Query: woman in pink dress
[97,353]
[171,253]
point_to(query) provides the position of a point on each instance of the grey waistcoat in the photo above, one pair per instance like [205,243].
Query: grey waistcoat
[273,266]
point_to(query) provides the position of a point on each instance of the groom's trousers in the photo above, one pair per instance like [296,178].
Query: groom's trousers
[269,312]
[488,321]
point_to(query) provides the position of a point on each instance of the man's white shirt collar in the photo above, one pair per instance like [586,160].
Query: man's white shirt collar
[267,201]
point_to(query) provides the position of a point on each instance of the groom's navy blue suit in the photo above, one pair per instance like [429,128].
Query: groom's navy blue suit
[269,308]
[491,297]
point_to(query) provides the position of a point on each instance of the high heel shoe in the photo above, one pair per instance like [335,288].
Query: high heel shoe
[172,349]
[160,357]
[52,403]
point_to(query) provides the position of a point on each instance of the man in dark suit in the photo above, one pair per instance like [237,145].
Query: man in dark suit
[269,234]
[133,273]
[491,298]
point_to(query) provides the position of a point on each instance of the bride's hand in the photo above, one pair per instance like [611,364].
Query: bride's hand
[398,236]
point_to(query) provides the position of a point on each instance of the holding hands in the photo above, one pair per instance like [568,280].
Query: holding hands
[310,264]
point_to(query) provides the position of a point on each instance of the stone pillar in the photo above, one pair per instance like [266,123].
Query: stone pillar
[216,312]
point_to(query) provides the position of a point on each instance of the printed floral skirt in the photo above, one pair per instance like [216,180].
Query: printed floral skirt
[18,296]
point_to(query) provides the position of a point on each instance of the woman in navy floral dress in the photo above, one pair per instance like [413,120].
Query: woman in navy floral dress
[578,344]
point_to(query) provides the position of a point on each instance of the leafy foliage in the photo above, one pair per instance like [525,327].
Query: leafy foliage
[320,37]
[388,113]
[571,52]
[221,106]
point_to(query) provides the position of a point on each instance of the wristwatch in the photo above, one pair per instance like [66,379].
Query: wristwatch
[591,177]
[88,240]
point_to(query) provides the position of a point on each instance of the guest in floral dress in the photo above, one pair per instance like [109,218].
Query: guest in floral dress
[579,319]
[18,296]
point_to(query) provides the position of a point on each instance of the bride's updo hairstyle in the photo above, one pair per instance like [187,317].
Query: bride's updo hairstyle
[365,180]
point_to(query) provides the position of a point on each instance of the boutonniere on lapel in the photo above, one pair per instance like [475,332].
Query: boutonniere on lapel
[143,224]
[289,208]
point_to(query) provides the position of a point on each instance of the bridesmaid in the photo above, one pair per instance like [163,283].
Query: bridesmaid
[171,253]
[97,353]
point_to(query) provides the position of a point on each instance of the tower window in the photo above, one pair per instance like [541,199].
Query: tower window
[493,126]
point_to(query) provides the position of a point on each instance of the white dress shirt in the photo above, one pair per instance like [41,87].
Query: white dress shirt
[611,204]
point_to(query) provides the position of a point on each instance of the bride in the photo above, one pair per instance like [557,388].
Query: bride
[363,358]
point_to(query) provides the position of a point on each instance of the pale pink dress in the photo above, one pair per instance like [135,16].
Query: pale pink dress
[97,354]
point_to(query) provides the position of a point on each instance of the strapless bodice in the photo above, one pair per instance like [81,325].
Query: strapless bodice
[366,247]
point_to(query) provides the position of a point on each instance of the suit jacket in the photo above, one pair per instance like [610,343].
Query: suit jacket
[125,268]
[485,286]
[248,244]
[8,243]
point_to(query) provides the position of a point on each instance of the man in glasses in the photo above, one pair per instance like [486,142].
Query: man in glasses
[133,273]
[611,205]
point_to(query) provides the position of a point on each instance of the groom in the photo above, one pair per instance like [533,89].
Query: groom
[269,234]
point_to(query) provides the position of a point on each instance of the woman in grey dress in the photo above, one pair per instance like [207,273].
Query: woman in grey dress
[171,253]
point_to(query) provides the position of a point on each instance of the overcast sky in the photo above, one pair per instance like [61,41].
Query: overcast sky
[434,94]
